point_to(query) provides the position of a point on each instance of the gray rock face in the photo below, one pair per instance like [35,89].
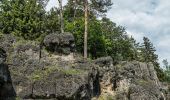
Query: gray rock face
[138,81]
[104,62]
[129,81]
[57,82]
[78,79]
[6,42]
[49,78]
[60,43]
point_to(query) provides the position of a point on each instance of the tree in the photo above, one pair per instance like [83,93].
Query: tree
[43,2]
[118,44]
[90,8]
[73,9]
[5,15]
[86,27]
[105,38]
[148,51]
[166,70]
[24,18]
[98,6]
[148,55]
[61,16]
[166,64]
[52,23]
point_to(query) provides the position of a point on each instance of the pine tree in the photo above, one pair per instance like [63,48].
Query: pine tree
[166,64]
[24,18]
[148,51]
[148,55]
[166,70]
[86,27]
[52,23]
[94,7]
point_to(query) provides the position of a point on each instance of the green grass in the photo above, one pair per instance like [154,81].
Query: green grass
[18,98]
[25,42]
[43,74]
[142,82]
[106,97]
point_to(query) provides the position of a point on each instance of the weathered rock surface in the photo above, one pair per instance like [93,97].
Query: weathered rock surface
[137,81]
[69,77]
[60,43]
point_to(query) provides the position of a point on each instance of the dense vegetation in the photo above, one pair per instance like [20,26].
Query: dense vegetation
[29,20]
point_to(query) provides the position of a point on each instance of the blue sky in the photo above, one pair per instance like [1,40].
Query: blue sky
[148,18]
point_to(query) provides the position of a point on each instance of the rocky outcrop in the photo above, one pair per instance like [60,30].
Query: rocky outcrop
[64,76]
[52,76]
[60,43]
[128,81]
[166,89]
[137,81]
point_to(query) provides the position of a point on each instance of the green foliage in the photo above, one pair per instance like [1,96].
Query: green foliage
[18,98]
[52,24]
[148,51]
[118,44]
[166,67]
[106,97]
[24,18]
[40,74]
[77,28]
[104,38]
[97,7]
[147,54]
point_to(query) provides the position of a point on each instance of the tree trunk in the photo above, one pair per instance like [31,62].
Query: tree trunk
[86,28]
[75,10]
[61,16]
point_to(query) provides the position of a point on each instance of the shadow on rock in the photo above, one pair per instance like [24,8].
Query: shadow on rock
[7,91]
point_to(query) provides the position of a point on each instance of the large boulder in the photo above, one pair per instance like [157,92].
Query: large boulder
[60,43]
[104,62]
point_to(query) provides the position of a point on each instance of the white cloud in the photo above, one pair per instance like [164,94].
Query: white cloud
[145,18]
[54,3]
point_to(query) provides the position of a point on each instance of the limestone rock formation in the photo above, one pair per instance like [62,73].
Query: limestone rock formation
[63,76]
[129,81]
[60,43]
[137,81]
